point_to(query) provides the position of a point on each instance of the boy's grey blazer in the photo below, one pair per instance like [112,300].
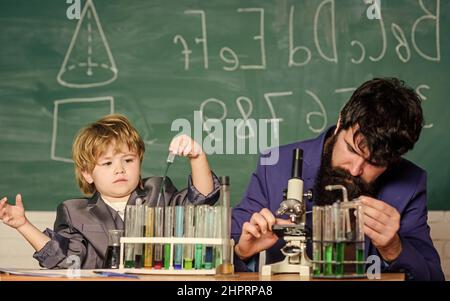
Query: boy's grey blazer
[80,234]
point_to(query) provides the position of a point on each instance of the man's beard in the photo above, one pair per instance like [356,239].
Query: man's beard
[334,176]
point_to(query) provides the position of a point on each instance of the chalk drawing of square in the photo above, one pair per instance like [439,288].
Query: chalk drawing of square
[96,106]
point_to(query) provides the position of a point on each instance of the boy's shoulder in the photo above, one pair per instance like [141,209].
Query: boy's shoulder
[155,181]
[80,203]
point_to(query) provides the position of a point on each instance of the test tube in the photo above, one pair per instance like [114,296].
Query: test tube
[189,231]
[149,232]
[340,222]
[139,232]
[317,240]
[159,232]
[199,233]
[226,266]
[218,210]
[179,225]
[168,232]
[328,239]
[130,214]
[209,233]
[360,243]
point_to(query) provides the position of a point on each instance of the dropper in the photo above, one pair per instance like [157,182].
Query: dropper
[169,161]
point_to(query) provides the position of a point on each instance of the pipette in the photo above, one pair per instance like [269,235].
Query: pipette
[169,161]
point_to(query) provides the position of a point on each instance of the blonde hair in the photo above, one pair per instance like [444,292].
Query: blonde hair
[92,141]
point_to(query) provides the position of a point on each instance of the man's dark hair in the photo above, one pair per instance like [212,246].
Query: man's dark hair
[388,115]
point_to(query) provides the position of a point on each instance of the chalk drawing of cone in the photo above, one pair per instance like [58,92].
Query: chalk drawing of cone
[88,62]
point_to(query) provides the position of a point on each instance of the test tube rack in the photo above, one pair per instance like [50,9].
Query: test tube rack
[172,241]
[338,243]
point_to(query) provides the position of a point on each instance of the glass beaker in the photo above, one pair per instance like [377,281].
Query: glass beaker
[112,257]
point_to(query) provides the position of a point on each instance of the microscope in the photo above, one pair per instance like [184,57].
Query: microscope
[297,234]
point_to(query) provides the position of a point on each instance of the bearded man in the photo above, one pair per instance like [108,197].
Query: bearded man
[378,125]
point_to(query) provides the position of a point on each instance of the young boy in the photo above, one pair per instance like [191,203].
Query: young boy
[108,156]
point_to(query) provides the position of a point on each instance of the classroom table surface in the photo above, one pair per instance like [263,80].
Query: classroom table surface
[245,276]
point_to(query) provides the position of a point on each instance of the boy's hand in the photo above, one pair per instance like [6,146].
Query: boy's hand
[202,178]
[184,145]
[13,216]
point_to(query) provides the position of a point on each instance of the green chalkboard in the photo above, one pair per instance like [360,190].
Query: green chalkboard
[159,61]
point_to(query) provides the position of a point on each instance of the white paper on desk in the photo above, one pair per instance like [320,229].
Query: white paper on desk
[49,273]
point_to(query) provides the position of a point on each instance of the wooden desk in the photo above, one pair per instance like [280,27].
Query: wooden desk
[236,277]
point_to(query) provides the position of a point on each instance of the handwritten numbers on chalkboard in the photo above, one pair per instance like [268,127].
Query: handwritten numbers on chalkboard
[247,114]
[321,114]
[208,121]
[423,97]
[273,116]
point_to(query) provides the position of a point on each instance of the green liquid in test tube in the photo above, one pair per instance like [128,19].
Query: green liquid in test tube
[199,233]
[360,245]
[189,231]
[209,233]
[317,266]
[166,256]
[339,254]
[340,230]
[168,232]
[328,258]
[360,268]
[218,234]
[328,238]
[317,239]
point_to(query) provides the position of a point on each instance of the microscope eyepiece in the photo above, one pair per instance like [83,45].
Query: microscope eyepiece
[297,162]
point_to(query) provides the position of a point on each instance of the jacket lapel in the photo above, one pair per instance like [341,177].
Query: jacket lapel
[137,193]
[102,213]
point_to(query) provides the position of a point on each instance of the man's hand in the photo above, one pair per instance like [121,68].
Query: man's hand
[381,224]
[257,234]
[13,216]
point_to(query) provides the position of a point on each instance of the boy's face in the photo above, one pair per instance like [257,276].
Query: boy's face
[116,174]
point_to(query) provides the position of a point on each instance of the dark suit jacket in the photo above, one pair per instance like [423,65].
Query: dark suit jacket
[403,186]
[81,225]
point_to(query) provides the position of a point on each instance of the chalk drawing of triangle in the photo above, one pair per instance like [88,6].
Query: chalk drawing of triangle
[88,61]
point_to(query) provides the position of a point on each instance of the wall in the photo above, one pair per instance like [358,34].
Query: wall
[15,252]
[439,222]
